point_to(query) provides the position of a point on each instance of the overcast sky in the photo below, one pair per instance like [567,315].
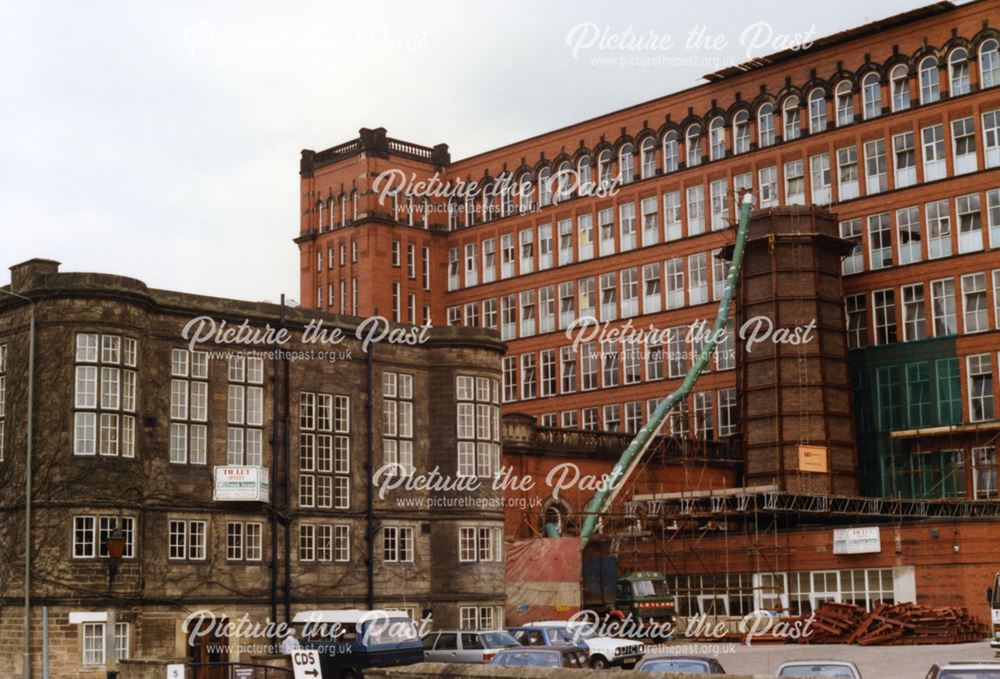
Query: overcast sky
[161,140]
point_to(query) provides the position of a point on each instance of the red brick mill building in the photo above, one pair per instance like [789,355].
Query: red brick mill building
[888,136]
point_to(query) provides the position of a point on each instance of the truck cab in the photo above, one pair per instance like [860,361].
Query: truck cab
[644,595]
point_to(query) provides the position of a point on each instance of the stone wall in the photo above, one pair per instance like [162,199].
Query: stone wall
[470,671]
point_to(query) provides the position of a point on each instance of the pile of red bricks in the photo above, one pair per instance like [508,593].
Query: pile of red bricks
[889,624]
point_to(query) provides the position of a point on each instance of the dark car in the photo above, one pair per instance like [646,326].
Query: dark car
[350,641]
[541,656]
[681,664]
[985,669]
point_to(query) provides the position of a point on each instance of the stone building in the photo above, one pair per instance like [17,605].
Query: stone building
[236,473]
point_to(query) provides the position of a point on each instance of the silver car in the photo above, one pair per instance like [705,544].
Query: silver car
[832,669]
[466,646]
[971,669]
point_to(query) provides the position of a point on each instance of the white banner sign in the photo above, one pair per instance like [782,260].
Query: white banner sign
[857,540]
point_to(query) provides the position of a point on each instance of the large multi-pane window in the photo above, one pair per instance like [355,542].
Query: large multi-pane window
[844,103]
[652,293]
[847,173]
[765,125]
[627,224]
[567,370]
[850,230]
[970,223]
[397,544]
[677,355]
[768,181]
[397,422]
[984,473]
[529,376]
[480,617]
[914,316]
[719,195]
[993,215]
[697,278]
[974,302]
[479,424]
[187,540]
[567,304]
[819,174]
[527,325]
[630,292]
[674,274]
[324,450]
[980,375]
[884,308]
[672,225]
[547,372]
[904,160]
[91,532]
[695,210]
[727,412]
[991,138]
[910,234]
[938,229]
[480,543]
[245,434]
[741,131]
[704,427]
[949,390]
[609,364]
[244,541]
[963,141]
[588,366]
[324,542]
[879,241]
[943,307]
[606,231]
[817,111]
[609,296]
[105,395]
[871,95]
[795,183]
[509,379]
[857,321]
[933,152]
[588,297]
[188,406]
[876,176]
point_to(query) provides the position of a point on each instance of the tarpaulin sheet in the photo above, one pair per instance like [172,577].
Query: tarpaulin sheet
[543,579]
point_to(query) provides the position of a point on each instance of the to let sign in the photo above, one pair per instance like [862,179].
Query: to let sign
[857,540]
[812,459]
[242,484]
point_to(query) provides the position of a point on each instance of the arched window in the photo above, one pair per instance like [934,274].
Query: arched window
[564,179]
[584,176]
[765,125]
[741,132]
[958,68]
[670,153]
[930,81]
[844,100]
[626,164]
[899,87]
[791,117]
[692,143]
[506,194]
[331,205]
[989,64]
[321,209]
[525,192]
[453,211]
[487,201]
[817,111]
[604,168]
[871,95]
[544,187]
[647,154]
[717,138]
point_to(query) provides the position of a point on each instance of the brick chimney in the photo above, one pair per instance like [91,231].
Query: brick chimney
[23,275]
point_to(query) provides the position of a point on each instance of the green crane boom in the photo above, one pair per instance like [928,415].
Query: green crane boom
[605,496]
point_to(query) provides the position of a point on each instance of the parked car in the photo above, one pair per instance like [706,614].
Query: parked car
[601,651]
[834,669]
[348,641]
[680,664]
[986,669]
[465,646]
[541,656]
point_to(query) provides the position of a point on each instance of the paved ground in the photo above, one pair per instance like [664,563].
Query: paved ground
[886,662]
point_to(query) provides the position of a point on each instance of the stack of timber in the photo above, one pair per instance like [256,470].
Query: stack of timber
[888,624]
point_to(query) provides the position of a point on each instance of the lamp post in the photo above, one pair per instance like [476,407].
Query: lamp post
[114,544]
[27,481]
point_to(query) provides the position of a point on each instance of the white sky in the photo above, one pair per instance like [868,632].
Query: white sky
[161,140]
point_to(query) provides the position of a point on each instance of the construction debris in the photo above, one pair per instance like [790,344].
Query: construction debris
[892,625]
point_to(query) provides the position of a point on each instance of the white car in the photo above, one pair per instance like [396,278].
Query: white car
[965,670]
[832,669]
[601,651]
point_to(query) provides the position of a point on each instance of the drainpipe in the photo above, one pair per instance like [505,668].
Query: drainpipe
[27,482]
[369,470]
[286,447]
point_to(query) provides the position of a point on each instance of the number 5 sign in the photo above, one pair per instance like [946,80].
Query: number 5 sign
[305,664]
